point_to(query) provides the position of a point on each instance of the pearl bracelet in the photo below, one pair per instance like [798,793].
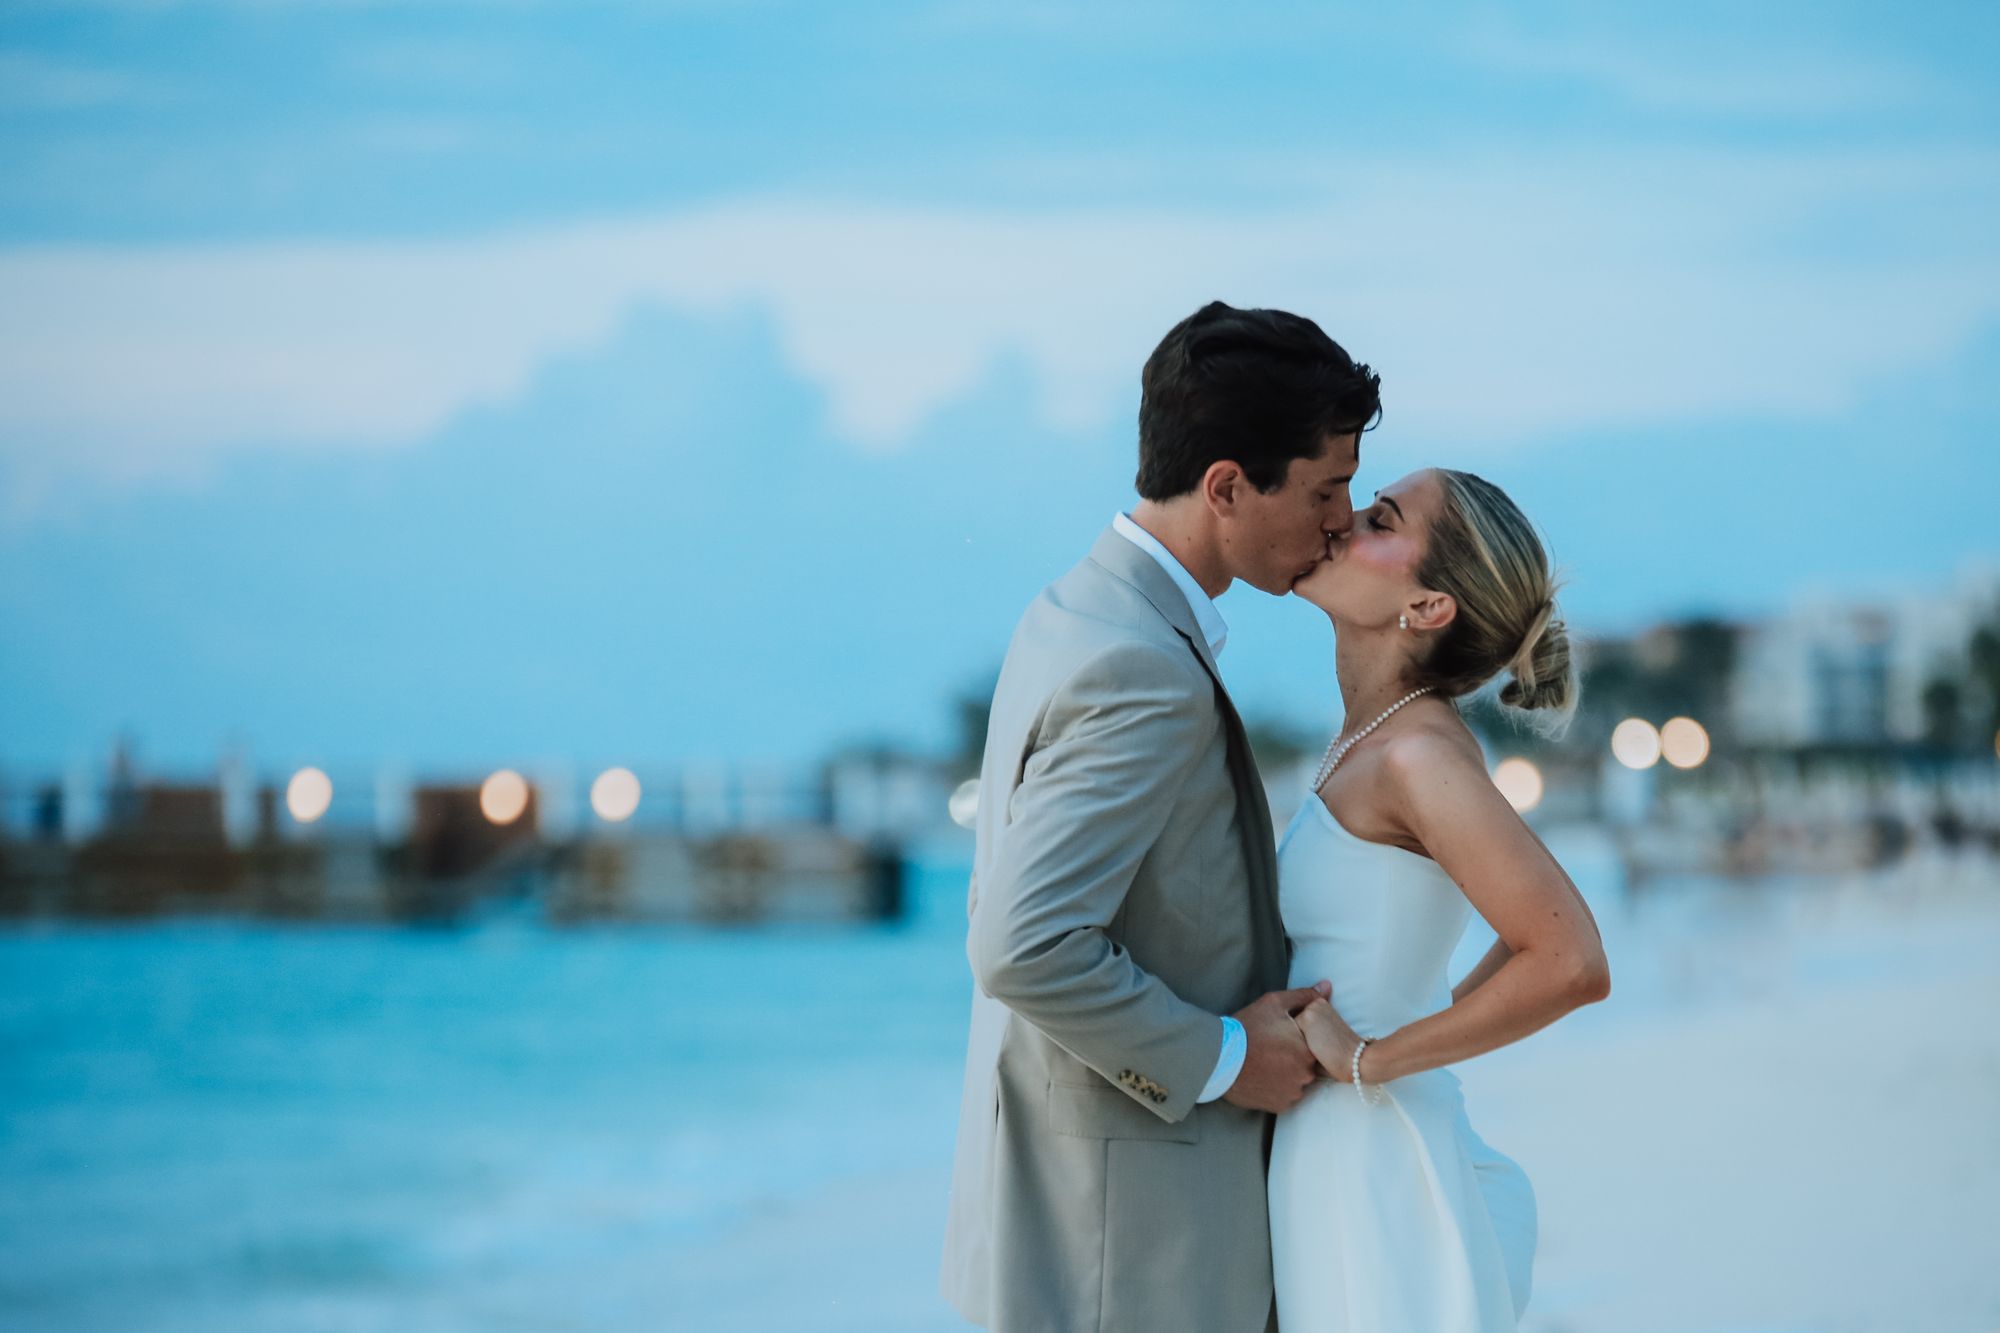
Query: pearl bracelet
[1361,1044]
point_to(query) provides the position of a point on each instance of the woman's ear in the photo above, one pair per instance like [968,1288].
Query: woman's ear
[1432,611]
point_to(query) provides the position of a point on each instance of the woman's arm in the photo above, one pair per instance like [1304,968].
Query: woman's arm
[1548,960]
[1482,970]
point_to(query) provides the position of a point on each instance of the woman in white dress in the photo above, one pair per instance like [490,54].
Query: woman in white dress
[1388,1213]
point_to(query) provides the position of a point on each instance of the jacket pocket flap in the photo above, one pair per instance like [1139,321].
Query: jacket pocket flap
[1103,1112]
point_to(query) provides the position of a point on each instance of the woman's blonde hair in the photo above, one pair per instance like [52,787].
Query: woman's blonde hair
[1488,557]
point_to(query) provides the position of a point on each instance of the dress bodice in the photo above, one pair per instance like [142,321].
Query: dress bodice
[1378,921]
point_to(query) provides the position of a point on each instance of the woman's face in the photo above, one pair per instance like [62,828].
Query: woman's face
[1371,578]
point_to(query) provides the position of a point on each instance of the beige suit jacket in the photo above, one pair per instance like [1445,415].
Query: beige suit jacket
[1124,897]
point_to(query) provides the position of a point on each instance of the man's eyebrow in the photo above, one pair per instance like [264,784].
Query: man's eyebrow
[1390,500]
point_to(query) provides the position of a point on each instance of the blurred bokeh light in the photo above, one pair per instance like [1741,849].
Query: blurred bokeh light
[1520,781]
[614,797]
[308,795]
[1635,743]
[503,796]
[1684,742]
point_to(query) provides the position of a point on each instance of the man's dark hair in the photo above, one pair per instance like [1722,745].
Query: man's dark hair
[1257,387]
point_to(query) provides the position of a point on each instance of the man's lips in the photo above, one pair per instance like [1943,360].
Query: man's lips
[1327,558]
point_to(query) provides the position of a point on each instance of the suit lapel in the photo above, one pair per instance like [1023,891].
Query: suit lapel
[1274,949]
[1125,561]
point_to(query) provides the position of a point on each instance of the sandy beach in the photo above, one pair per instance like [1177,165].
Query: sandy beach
[1805,1140]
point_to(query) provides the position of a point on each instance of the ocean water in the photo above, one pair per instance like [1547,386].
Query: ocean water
[223,1125]
[227,1126]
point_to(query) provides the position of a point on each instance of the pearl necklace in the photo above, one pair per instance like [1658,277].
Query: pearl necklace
[1336,749]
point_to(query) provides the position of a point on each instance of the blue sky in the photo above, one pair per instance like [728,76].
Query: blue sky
[484,382]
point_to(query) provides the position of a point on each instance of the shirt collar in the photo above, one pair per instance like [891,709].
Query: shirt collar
[1206,617]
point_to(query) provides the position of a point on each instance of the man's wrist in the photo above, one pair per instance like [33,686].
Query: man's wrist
[1229,1062]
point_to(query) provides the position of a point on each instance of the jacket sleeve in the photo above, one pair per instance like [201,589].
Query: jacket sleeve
[1119,740]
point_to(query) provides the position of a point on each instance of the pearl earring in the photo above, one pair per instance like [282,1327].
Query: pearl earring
[1402,622]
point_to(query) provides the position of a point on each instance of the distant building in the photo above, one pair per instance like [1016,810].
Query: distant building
[1835,672]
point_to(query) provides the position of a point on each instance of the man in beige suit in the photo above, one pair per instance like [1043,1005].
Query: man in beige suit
[1130,1040]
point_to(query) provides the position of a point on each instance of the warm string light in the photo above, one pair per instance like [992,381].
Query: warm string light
[1635,743]
[308,795]
[503,797]
[1681,741]
[1520,781]
[1684,742]
[614,797]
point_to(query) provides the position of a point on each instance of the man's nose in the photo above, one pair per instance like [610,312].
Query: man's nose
[1340,521]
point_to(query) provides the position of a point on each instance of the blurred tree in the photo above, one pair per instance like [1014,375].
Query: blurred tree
[1944,713]
[1961,707]
[1275,745]
[974,707]
[1683,669]
[1984,659]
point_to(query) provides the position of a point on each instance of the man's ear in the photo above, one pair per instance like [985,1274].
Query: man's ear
[1432,611]
[1222,485]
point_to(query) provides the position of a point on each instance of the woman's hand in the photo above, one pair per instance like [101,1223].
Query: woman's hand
[1329,1038]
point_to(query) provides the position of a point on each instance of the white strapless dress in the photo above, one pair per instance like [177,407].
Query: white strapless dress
[1393,1217]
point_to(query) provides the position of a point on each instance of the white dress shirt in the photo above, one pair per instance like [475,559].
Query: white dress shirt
[1235,1045]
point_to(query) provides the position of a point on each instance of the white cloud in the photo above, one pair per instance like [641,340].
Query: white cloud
[1503,298]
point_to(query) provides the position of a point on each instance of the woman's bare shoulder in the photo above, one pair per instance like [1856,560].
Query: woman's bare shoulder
[1426,754]
[1428,758]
